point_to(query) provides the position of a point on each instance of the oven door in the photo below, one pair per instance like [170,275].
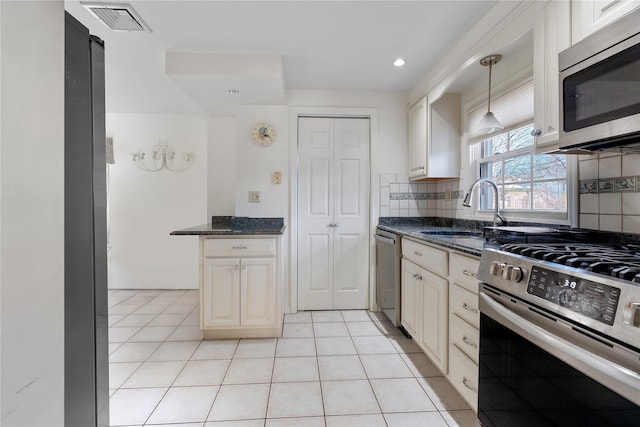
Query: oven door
[531,377]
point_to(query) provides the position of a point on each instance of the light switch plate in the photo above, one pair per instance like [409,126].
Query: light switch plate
[276,178]
[254,197]
[447,194]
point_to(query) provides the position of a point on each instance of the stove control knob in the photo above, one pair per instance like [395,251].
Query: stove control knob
[515,274]
[495,269]
[512,273]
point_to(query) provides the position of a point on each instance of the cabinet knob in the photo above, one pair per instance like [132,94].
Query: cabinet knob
[236,267]
[469,308]
[469,273]
[536,132]
[468,342]
[465,381]
[244,267]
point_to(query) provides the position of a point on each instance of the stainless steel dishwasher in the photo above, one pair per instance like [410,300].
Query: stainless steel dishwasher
[388,254]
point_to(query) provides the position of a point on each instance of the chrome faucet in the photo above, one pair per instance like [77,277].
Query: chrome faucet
[496,210]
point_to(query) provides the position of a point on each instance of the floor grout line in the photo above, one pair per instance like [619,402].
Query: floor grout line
[183,299]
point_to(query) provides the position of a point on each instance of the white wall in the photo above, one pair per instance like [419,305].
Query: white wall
[256,164]
[31,213]
[221,167]
[144,207]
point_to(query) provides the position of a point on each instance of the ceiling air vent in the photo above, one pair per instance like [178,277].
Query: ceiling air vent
[117,16]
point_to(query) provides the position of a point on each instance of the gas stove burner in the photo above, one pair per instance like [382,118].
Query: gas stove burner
[622,262]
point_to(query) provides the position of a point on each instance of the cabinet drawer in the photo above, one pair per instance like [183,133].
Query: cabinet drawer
[434,260]
[464,304]
[464,336]
[463,374]
[239,247]
[464,271]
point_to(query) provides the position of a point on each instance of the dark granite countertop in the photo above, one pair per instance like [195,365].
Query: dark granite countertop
[469,244]
[234,226]
[515,232]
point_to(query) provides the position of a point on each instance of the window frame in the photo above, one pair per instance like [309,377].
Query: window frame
[529,215]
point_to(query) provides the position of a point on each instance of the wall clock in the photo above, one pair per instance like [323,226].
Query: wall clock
[263,135]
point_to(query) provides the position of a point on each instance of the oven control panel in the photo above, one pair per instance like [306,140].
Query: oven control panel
[594,300]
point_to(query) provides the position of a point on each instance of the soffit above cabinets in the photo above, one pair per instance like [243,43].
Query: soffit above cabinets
[216,81]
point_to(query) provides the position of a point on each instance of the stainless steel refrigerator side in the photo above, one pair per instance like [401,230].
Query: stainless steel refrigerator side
[86,354]
[100,231]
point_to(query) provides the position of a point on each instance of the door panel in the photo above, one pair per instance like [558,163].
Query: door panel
[258,292]
[333,238]
[319,187]
[221,292]
[349,188]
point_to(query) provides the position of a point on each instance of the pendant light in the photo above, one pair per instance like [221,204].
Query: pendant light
[489,123]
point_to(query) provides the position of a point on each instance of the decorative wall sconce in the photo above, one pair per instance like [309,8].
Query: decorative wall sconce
[162,157]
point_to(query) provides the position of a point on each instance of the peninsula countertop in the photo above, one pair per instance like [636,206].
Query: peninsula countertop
[234,226]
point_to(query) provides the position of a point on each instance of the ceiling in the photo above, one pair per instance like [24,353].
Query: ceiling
[198,50]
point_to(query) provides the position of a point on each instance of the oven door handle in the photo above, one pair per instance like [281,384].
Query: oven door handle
[620,379]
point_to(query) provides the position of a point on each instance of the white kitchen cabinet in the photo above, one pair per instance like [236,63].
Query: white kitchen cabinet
[464,325]
[425,299]
[588,16]
[434,138]
[240,291]
[552,33]
[411,309]
[434,336]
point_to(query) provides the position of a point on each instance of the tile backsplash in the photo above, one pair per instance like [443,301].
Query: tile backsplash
[609,187]
[401,198]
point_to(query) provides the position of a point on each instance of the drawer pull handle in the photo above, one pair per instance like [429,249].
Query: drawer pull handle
[467,385]
[416,253]
[416,276]
[469,273]
[468,342]
[469,308]
[239,247]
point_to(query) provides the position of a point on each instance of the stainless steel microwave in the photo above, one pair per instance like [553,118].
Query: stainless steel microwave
[600,89]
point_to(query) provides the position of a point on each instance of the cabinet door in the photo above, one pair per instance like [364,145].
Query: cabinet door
[418,139]
[411,303]
[435,307]
[551,35]
[221,292]
[588,16]
[258,291]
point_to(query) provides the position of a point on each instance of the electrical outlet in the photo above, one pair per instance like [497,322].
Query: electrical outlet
[254,197]
[276,178]
[447,194]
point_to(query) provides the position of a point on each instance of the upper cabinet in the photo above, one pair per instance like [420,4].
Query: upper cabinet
[434,138]
[588,16]
[551,35]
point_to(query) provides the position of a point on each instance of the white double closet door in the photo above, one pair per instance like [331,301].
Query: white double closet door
[333,213]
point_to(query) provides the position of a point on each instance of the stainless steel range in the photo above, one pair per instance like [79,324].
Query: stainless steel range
[560,335]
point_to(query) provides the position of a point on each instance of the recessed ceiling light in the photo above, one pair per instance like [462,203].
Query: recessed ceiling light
[399,62]
[233,91]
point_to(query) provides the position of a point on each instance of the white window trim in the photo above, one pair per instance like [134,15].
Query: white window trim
[471,171]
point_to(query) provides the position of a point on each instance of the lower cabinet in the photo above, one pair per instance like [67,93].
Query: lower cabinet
[464,324]
[240,296]
[434,338]
[440,311]
[425,302]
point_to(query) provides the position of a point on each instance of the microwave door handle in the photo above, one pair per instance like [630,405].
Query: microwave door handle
[620,379]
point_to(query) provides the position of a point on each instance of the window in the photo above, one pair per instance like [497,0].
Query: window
[526,181]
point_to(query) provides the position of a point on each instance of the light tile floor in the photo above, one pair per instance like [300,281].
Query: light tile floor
[330,368]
